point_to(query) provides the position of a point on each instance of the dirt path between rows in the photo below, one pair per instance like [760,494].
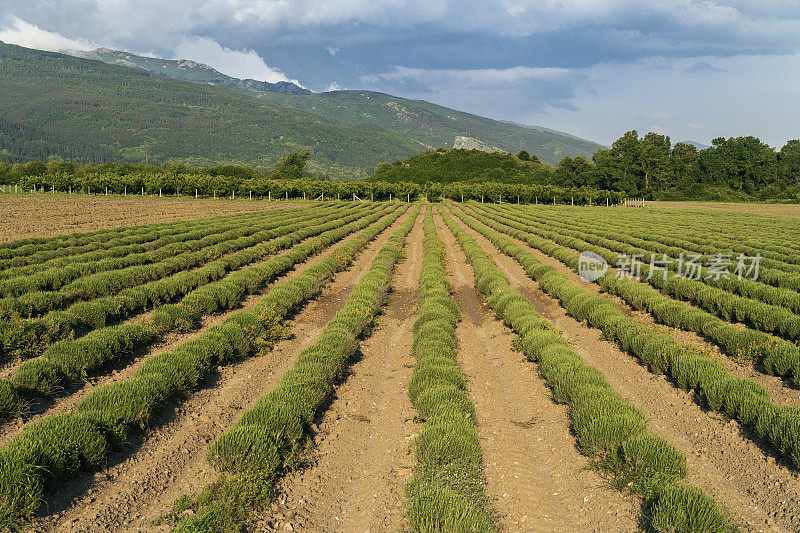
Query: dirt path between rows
[781,389]
[126,367]
[142,481]
[534,474]
[762,493]
[361,458]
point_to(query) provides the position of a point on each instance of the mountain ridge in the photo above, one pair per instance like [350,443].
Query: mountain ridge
[429,124]
[191,70]
[58,106]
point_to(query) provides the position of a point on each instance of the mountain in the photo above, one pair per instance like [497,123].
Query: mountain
[429,124]
[56,105]
[548,130]
[471,166]
[435,125]
[699,146]
[185,69]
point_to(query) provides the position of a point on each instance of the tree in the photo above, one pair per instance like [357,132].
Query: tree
[620,166]
[654,159]
[382,167]
[576,172]
[684,160]
[789,159]
[291,166]
[524,156]
[743,163]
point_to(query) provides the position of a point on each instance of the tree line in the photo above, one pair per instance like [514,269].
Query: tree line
[286,180]
[650,166]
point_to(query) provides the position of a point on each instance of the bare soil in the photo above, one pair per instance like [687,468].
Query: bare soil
[126,368]
[761,492]
[535,476]
[781,389]
[361,460]
[141,482]
[44,215]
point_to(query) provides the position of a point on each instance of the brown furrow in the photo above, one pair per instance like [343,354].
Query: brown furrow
[126,369]
[762,493]
[142,481]
[782,392]
[534,474]
[361,460]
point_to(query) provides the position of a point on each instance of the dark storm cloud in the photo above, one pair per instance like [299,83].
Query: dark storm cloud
[428,48]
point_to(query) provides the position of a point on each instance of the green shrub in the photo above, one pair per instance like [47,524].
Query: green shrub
[681,509]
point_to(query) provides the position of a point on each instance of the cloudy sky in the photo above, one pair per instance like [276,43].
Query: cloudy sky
[693,69]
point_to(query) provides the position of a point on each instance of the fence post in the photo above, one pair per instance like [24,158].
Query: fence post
[269,196]
[554,200]
[572,200]
[481,198]
[195,194]
[606,201]
[287,196]
[251,195]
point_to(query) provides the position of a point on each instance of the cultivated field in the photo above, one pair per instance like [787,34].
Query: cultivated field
[358,366]
[45,215]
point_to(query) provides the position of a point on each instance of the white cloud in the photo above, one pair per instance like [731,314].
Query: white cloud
[236,63]
[333,86]
[332,50]
[24,34]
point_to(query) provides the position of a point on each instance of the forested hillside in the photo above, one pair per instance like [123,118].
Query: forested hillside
[435,125]
[467,166]
[430,124]
[54,105]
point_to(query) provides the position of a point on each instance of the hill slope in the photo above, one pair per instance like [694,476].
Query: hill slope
[435,125]
[188,70]
[430,124]
[58,105]
[471,166]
